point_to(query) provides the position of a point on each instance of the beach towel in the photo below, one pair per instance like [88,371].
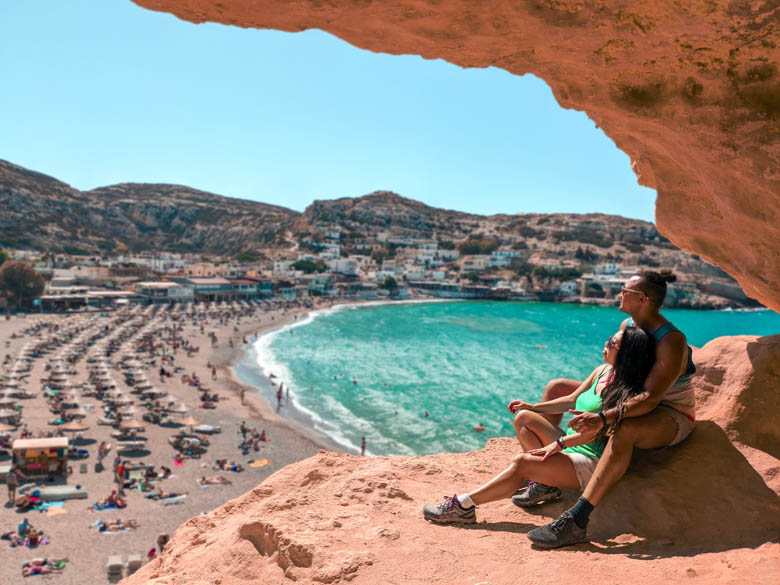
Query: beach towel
[178,463]
[45,506]
[173,501]
[260,463]
[99,508]
[56,512]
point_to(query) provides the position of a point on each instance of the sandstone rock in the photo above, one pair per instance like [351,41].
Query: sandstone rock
[690,91]
[738,386]
[701,498]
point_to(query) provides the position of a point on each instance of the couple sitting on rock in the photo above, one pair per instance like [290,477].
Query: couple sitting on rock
[641,397]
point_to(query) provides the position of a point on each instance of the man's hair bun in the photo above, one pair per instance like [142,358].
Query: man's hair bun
[668,276]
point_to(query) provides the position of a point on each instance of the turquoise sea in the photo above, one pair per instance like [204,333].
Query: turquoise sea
[374,370]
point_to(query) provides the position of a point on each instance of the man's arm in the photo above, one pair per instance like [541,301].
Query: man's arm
[670,354]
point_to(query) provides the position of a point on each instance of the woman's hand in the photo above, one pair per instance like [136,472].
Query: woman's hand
[516,405]
[585,423]
[547,451]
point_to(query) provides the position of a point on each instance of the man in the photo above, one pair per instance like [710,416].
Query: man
[12,481]
[661,416]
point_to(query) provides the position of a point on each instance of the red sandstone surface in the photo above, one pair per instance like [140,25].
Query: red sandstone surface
[690,90]
[700,512]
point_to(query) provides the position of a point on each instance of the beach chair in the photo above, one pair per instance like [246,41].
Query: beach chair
[114,566]
[134,562]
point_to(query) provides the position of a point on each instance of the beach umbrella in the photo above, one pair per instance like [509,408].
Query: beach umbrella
[7,401]
[74,426]
[190,421]
[8,413]
[79,413]
[132,425]
[4,428]
[179,409]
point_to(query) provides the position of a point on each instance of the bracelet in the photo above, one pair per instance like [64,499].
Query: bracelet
[561,442]
[603,418]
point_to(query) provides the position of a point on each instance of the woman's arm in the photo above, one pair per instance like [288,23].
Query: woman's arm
[558,405]
[573,440]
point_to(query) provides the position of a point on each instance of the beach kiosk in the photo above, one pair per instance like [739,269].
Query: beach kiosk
[41,456]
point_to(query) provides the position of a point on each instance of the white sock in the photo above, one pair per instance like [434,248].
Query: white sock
[466,501]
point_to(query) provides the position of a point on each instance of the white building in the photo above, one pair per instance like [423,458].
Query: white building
[502,258]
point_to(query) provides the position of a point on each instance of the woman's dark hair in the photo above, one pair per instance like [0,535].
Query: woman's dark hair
[653,284]
[633,362]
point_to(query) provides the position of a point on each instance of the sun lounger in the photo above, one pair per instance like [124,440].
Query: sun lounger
[125,446]
[114,566]
[62,492]
[134,563]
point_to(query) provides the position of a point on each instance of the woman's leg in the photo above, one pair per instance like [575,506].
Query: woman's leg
[558,470]
[534,430]
[555,389]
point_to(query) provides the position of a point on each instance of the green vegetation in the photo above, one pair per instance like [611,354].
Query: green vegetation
[310,266]
[586,255]
[248,256]
[390,284]
[21,282]
[3,256]
[557,273]
[472,276]
[446,245]
[478,244]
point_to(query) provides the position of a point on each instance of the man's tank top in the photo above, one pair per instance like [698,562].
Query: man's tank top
[680,395]
[589,401]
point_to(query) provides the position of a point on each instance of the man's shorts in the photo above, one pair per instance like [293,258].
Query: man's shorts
[684,424]
[583,467]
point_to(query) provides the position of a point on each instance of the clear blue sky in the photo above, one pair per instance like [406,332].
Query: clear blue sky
[96,92]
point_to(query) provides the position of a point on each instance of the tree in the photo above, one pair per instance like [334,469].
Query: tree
[3,256]
[390,284]
[20,281]
[308,266]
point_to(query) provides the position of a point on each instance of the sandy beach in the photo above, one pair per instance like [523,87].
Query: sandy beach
[68,527]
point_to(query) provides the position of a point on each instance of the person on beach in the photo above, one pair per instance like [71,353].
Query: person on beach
[565,460]
[662,415]
[363,446]
[12,482]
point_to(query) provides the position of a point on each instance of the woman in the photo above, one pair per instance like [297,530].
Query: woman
[551,457]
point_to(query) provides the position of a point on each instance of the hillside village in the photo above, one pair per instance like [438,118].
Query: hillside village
[338,264]
[170,243]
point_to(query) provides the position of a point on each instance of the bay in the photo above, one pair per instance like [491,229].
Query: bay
[374,370]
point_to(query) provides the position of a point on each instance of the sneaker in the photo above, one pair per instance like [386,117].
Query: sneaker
[450,512]
[536,493]
[561,532]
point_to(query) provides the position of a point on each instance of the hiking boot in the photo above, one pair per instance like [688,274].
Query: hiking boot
[562,531]
[536,493]
[450,512]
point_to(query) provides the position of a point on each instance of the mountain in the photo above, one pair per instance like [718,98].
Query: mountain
[40,212]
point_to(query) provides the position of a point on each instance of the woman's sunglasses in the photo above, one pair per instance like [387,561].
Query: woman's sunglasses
[611,343]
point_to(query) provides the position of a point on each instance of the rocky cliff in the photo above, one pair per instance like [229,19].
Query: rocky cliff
[41,212]
[690,90]
[698,512]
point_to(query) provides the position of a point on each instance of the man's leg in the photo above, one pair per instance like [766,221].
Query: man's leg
[651,431]
[555,389]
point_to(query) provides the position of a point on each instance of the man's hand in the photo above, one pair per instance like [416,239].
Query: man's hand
[516,405]
[547,451]
[585,423]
